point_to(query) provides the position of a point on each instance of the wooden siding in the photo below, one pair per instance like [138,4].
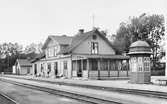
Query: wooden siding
[85,46]
[107,74]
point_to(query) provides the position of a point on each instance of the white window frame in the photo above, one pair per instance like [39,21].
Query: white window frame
[96,47]
[55,50]
[146,64]
[140,64]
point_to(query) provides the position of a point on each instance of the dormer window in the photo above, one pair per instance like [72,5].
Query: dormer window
[94,48]
[94,37]
[50,52]
[55,50]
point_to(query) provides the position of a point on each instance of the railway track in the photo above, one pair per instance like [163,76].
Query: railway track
[146,93]
[4,99]
[80,97]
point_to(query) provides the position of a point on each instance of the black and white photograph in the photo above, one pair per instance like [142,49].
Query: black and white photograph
[83,51]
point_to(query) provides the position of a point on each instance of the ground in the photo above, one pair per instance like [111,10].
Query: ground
[134,99]
[28,96]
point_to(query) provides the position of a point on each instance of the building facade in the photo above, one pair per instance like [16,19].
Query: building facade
[23,67]
[85,55]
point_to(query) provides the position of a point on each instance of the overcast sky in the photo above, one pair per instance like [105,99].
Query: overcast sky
[27,21]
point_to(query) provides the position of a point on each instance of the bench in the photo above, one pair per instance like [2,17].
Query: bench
[162,81]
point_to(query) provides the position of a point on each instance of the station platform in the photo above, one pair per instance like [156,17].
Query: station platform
[103,83]
[121,97]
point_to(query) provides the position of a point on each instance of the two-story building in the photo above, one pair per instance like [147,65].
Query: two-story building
[87,55]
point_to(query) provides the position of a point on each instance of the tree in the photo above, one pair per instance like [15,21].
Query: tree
[36,48]
[8,52]
[156,28]
[122,39]
[145,27]
[33,49]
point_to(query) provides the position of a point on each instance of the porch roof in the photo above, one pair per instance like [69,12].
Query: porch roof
[38,57]
[109,56]
[119,57]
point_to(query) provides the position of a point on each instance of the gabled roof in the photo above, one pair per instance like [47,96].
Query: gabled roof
[74,41]
[79,38]
[63,40]
[23,62]
[38,57]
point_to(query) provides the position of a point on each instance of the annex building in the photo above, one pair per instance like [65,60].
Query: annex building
[85,55]
[22,67]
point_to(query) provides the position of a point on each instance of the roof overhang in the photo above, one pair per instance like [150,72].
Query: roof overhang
[90,56]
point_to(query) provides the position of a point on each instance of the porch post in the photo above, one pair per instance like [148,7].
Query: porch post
[82,67]
[117,66]
[108,67]
[99,66]
[76,68]
[127,66]
[72,68]
[87,66]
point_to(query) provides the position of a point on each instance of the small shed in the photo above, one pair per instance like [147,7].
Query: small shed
[23,67]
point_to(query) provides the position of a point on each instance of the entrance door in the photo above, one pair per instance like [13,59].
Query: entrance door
[28,70]
[79,70]
[56,68]
[35,69]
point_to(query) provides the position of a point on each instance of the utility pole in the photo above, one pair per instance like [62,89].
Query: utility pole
[93,20]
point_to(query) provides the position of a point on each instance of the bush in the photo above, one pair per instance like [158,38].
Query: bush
[158,70]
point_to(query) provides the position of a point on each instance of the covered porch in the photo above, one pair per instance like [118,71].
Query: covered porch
[100,66]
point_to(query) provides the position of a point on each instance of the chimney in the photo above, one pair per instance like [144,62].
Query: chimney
[81,31]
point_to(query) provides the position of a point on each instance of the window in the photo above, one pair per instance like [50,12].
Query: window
[84,64]
[112,65]
[35,69]
[47,52]
[28,70]
[51,52]
[94,37]
[134,64]
[104,65]
[55,50]
[146,64]
[65,65]
[140,64]
[74,65]
[119,64]
[42,67]
[49,68]
[55,67]
[94,66]
[94,48]
[124,65]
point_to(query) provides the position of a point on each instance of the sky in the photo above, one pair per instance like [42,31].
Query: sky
[31,21]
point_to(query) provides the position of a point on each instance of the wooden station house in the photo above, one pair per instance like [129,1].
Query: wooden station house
[85,55]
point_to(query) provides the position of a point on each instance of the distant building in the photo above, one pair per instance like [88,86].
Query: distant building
[22,67]
[85,55]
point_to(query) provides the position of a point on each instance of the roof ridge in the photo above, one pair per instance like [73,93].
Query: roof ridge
[60,36]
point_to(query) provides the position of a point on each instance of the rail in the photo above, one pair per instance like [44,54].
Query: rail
[146,93]
[80,97]
[5,99]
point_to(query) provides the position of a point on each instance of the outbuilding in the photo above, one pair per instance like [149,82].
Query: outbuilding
[23,67]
